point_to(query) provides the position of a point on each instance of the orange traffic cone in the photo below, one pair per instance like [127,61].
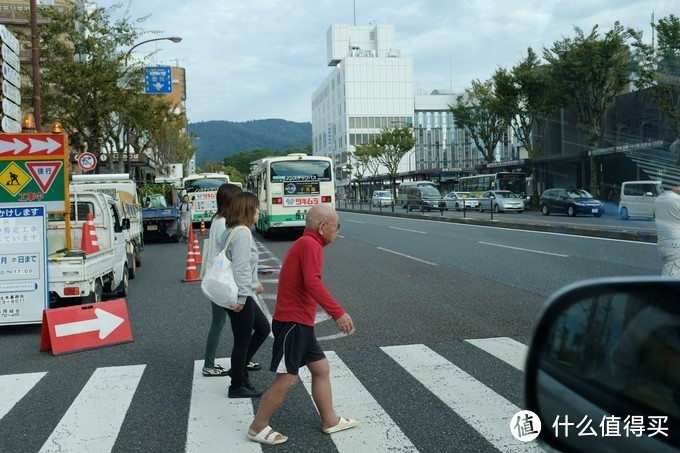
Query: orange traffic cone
[202,227]
[89,242]
[197,251]
[190,240]
[192,274]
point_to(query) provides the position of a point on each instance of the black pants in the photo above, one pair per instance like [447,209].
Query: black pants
[250,328]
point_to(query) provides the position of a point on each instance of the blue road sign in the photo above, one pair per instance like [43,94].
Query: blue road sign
[158,80]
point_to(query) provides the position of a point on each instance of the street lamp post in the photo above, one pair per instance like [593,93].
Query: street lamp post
[174,39]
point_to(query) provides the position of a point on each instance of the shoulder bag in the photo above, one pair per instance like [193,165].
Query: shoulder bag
[218,284]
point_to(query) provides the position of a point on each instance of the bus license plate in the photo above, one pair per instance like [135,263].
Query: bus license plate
[300,201]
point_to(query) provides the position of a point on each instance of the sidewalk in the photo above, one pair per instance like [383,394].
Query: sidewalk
[511,221]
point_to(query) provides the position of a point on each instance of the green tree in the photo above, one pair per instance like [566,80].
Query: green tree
[658,66]
[478,113]
[394,143]
[366,159]
[592,70]
[82,70]
[527,97]
[171,143]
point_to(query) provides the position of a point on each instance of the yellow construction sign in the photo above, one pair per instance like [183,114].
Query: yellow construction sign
[13,178]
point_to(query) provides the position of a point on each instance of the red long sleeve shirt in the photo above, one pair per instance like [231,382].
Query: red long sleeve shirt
[300,285]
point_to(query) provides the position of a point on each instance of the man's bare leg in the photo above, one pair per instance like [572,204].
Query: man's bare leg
[322,392]
[271,401]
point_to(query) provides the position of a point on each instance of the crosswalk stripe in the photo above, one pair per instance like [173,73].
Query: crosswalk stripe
[506,349]
[376,431]
[216,422]
[14,387]
[482,408]
[94,419]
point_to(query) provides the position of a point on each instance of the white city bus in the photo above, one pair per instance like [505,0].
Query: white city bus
[478,184]
[202,191]
[287,187]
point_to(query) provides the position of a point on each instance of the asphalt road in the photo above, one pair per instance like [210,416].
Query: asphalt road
[421,294]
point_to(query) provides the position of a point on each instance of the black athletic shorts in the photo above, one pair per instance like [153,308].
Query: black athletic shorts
[295,346]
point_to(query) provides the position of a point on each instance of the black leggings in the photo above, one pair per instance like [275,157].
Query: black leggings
[250,328]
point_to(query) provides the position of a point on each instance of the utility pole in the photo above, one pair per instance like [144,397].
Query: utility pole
[35,58]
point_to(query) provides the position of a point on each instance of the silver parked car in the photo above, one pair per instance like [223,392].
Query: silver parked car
[458,200]
[501,201]
[382,198]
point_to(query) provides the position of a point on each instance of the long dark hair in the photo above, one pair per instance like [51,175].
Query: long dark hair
[242,209]
[225,193]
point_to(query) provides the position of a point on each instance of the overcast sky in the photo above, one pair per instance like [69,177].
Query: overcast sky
[259,59]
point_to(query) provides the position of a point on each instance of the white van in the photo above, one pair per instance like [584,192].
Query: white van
[403,191]
[637,198]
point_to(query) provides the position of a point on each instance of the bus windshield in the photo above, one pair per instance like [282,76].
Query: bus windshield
[517,186]
[300,170]
[193,185]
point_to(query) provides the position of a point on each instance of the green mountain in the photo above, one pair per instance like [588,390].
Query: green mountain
[217,139]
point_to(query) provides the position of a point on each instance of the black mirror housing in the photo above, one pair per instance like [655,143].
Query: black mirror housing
[607,352]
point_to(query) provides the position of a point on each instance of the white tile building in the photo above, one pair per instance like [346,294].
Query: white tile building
[369,88]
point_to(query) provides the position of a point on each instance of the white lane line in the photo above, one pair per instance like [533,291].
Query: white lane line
[406,256]
[406,229]
[506,349]
[215,421]
[516,230]
[93,421]
[523,250]
[376,431]
[351,221]
[261,297]
[14,387]
[482,408]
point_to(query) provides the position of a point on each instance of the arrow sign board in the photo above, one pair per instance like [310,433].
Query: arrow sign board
[13,145]
[77,328]
[34,169]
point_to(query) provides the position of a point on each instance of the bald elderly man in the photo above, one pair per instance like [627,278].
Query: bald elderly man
[295,344]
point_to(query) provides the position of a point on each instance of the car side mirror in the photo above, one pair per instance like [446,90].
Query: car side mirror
[606,354]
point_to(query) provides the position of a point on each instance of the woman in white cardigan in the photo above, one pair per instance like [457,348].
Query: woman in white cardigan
[248,324]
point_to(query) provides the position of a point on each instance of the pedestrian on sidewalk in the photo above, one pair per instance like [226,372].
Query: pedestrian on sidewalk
[295,343]
[667,218]
[185,213]
[248,324]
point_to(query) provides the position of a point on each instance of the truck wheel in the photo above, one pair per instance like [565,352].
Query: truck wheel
[138,257]
[174,238]
[123,287]
[132,271]
[96,295]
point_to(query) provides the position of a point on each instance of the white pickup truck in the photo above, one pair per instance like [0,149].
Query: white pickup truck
[123,189]
[75,276]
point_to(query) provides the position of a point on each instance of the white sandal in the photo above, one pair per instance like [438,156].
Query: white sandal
[343,424]
[267,436]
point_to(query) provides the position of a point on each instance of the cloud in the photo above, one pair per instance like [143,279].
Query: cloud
[265,58]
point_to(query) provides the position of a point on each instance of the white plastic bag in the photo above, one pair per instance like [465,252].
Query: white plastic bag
[218,284]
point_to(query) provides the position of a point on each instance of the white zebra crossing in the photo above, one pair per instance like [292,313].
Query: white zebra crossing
[377,431]
[508,350]
[485,410]
[14,388]
[94,420]
[214,422]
